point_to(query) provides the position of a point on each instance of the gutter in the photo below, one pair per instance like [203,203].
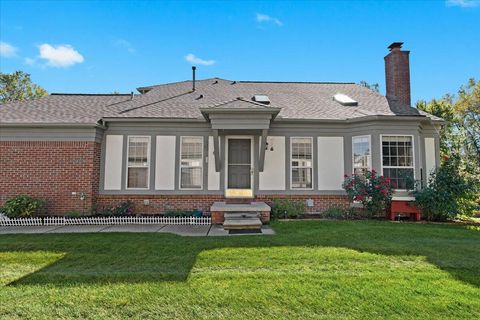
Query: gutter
[361,119]
[53,125]
[130,119]
[102,123]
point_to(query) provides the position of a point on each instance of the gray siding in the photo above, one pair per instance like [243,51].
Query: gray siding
[287,129]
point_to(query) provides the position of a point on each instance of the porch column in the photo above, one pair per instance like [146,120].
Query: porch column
[216,151]
[263,146]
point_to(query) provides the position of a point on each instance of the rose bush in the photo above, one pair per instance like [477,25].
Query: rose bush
[374,192]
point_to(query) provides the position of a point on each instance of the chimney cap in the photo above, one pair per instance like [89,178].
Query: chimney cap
[395,45]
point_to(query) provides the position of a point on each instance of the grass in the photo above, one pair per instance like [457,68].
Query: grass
[310,269]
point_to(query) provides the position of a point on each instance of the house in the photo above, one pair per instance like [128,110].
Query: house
[187,145]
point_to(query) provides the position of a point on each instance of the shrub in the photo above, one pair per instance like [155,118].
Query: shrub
[373,191]
[179,213]
[73,214]
[286,208]
[335,213]
[447,193]
[123,209]
[22,207]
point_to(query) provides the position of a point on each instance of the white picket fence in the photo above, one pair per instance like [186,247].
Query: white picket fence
[63,221]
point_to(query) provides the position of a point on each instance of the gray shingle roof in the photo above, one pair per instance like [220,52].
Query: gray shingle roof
[176,100]
[65,108]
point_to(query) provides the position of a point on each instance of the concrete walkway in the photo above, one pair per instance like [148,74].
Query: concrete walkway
[181,230]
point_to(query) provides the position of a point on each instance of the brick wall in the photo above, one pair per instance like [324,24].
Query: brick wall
[160,203]
[51,170]
[320,202]
[397,75]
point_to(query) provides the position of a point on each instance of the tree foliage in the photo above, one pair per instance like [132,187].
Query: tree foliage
[447,193]
[460,136]
[18,86]
[372,86]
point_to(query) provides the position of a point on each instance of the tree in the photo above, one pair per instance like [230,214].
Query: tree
[372,86]
[447,193]
[460,136]
[18,86]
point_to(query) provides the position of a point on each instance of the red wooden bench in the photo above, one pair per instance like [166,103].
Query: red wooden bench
[401,205]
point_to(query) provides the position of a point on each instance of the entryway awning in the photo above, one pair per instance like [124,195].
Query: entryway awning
[240,114]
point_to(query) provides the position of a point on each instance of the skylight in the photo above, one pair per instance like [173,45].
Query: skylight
[344,100]
[261,98]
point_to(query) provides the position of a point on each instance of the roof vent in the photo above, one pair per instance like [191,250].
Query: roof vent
[344,100]
[261,99]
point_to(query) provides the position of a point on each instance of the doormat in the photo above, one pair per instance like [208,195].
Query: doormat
[245,231]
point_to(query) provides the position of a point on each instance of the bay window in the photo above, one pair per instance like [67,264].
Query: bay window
[361,151]
[398,161]
[301,151]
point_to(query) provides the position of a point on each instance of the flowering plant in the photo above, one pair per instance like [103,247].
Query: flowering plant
[370,189]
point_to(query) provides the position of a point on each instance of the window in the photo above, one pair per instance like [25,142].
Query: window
[191,163]
[361,154]
[301,163]
[397,160]
[138,165]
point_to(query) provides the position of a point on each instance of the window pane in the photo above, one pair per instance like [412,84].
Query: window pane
[401,178]
[301,148]
[138,162]
[191,163]
[191,178]
[397,151]
[192,148]
[138,151]
[361,154]
[302,178]
[137,178]
[359,171]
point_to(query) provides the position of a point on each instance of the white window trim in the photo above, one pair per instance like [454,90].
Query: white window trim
[202,138]
[370,149]
[397,167]
[312,167]
[149,147]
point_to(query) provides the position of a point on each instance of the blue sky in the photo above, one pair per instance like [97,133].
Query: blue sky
[101,47]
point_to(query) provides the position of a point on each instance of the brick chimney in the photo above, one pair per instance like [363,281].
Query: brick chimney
[397,74]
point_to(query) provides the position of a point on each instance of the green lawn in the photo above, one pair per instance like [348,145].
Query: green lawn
[310,269]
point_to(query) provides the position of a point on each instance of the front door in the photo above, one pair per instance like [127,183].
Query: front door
[239,164]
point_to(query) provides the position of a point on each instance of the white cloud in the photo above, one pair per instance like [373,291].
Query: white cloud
[196,60]
[261,18]
[60,56]
[7,50]
[462,3]
[122,43]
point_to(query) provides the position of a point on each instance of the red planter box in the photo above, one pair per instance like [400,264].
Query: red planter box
[401,206]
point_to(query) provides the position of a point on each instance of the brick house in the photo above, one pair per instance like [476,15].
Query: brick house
[189,144]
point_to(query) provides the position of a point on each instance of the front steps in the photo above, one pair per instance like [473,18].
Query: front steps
[240,216]
[242,221]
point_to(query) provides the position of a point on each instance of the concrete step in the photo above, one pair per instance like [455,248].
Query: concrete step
[241,215]
[242,224]
[251,207]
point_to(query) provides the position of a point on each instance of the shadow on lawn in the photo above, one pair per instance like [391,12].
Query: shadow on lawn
[139,258]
